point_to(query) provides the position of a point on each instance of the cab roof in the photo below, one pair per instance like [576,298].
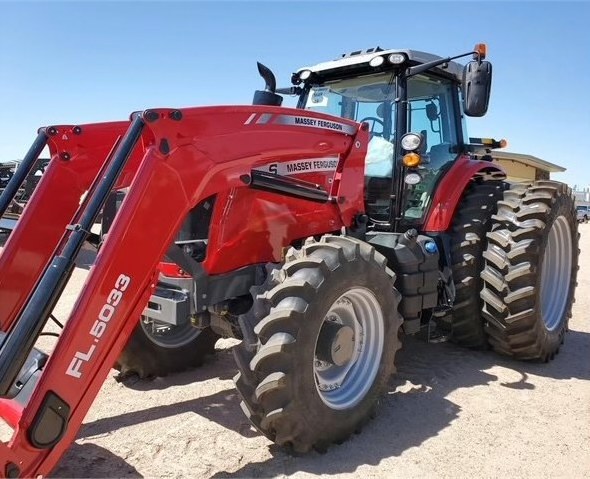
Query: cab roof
[361,58]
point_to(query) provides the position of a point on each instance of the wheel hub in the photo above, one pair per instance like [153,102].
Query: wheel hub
[335,343]
[348,348]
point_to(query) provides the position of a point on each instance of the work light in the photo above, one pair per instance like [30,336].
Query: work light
[396,58]
[411,141]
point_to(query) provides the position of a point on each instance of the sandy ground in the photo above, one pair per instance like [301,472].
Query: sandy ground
[447,413]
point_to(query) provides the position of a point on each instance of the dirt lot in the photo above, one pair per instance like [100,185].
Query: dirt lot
[447,413]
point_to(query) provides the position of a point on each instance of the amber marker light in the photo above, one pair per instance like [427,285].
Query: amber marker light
[411,160]
[481,49]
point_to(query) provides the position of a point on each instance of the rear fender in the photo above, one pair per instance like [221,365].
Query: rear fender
[451,188]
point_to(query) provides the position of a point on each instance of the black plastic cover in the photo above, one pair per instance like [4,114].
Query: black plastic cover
[477,85]
[263,97]
[50,423]
[417,271]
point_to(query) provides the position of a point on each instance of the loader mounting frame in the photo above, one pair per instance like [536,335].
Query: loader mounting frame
[154,154]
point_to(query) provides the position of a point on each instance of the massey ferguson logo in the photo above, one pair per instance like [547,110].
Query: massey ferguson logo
[100,325]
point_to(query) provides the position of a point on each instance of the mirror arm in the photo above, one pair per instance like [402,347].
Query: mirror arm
[294,90]
[427,66]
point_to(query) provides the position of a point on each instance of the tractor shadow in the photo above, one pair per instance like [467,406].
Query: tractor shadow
[92,461]
[222,407]
[414,408]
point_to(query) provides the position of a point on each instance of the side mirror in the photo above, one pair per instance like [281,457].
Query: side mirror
[477,83]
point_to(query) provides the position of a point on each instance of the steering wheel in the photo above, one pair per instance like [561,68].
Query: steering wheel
[374,120]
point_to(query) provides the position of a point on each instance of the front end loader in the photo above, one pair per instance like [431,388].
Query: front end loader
[316,235]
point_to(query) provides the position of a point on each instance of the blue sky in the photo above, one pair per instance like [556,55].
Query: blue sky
[78,62]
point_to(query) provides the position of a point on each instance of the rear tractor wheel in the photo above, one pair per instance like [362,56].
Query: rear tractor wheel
[530,271]
[325,347]
[468,242]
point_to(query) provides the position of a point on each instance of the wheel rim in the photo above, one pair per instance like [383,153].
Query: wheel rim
[344,386]
[167,335]
[556,273]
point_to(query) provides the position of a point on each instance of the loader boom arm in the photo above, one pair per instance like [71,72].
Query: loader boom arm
[77,156]
[167,155]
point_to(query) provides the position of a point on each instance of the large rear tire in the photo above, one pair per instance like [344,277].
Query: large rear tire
[530,270]
[327,338]
[468,242]
[156,352]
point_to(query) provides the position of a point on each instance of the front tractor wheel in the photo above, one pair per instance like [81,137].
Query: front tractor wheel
[531,269]
[326,344]
[159,349]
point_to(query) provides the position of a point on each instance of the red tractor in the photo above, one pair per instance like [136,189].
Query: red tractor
[317,235]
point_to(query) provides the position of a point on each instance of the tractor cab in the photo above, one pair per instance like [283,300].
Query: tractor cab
[414,116]
[411,103]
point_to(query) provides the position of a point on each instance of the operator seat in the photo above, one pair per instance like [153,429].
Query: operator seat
[378,177]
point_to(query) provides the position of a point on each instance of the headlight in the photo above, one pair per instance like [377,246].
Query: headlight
[304,75]
[411,141]
[376,61]
[396,58]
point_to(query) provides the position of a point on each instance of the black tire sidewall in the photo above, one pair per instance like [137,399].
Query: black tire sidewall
[552,339]
[148,359]
[331,423]
[477,222]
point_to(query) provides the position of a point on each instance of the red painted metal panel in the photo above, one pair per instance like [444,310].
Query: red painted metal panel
[208,152]
[53,206]
[449,192]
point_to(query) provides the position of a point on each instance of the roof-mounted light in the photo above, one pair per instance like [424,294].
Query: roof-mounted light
[396,58]
[376,61]
[304,75]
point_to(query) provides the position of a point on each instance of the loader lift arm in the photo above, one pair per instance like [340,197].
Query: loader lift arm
[77,156]
[119,285]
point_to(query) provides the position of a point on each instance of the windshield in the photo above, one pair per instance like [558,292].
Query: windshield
[371,99]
